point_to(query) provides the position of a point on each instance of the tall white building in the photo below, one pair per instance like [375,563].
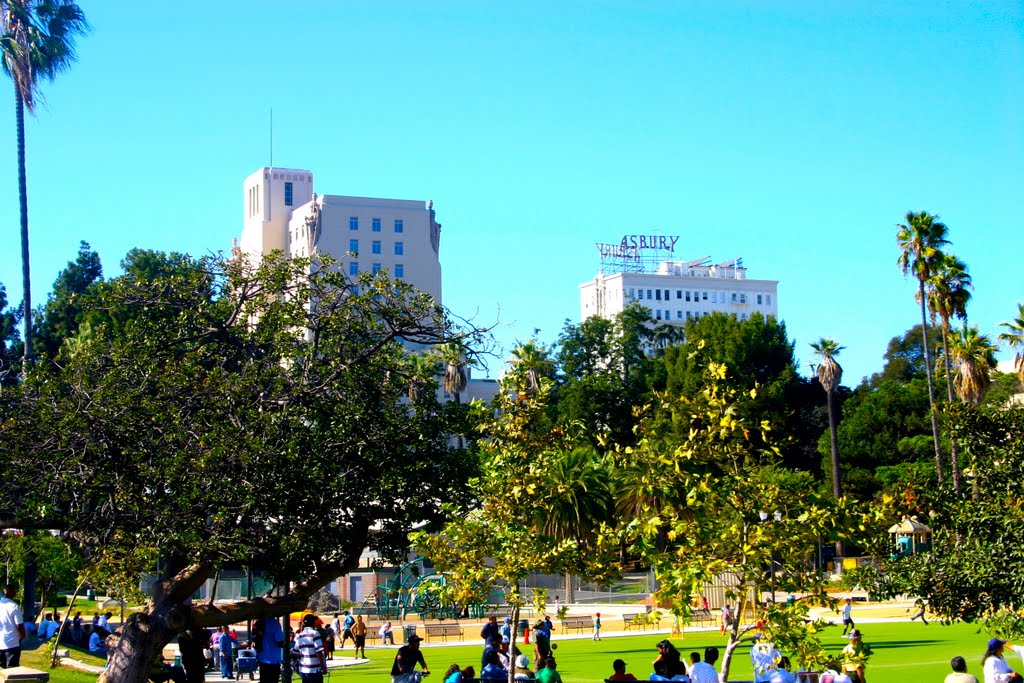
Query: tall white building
[364,234]
[678,291]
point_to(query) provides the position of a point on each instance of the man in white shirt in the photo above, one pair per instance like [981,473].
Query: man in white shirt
[12,628]
[704,672]
[959,674]
[994,665]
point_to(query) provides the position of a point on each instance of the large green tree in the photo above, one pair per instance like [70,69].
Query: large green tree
[920,240]
[37,42]
[218,415]
[67,304]
[712,504]
[10,344]
[1014,339]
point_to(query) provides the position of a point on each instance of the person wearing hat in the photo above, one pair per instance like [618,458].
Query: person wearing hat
[522,670]
[408,656]
[994,665]
[309,649]
[619,667]
[854,656]
[959,674]
[506,628]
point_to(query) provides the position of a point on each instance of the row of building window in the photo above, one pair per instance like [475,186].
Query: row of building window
[375,247]
[689,315]
[353,224]
[353,269]
[716,297]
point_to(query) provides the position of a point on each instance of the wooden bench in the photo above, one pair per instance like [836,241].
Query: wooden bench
[578,623]
[639,620]
[445,630]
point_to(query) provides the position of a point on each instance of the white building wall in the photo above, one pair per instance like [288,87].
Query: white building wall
[677,295]
[278,201]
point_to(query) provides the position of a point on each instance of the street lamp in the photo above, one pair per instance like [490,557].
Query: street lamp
[775,517]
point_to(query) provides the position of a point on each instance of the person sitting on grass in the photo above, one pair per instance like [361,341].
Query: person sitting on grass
[619,667]
[522,670]
[549,674]
[959,674]
[453,674]
[97,642]
[493,668]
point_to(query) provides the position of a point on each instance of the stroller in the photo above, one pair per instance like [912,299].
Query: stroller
[246,664]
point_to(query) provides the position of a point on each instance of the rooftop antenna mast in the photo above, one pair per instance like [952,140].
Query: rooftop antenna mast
[271,137]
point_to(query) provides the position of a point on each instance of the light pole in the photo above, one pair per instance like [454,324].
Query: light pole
[775,518]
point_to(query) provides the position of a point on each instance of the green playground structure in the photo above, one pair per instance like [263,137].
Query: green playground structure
[415,590]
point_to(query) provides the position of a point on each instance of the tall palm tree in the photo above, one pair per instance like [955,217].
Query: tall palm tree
[1014,339]
[455,374]
[830,374]
[37,41]
[948,292]
[920,240]
[974,358]
[423,367]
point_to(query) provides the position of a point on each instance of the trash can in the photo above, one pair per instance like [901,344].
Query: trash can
[90,594]
[408,631]
[791,600]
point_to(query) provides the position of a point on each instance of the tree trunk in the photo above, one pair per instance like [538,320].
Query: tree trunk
[931,389]
[954,452]
[63,624]
[28,594]
[837,490]
[26,274]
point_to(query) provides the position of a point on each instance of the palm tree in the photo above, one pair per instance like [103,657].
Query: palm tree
[455,374]
[1014,339]
[575,498]
[830,374]
[423,367]
[974,358]
[37,40]
[921,240]
[532,361]
[948,294]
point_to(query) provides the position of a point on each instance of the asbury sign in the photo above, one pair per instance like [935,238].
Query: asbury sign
[629,246]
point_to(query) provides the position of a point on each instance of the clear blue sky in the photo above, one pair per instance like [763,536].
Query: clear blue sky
[793,134]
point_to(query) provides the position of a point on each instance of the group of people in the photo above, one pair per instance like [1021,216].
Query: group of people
[993,665]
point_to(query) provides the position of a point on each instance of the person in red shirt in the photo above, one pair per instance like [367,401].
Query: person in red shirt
[620,672]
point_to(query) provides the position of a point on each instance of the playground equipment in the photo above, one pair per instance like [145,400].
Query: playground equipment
[417,590]
[911,536]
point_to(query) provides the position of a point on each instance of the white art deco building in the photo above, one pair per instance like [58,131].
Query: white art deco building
[365,234]
[677,291]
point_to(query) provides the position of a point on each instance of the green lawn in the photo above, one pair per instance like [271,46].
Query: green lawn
[902,652]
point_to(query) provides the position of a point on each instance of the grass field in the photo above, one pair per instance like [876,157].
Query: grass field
[902,652]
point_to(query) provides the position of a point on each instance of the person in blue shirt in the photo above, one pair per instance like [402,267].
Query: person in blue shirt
[269,638]
[494,670]
[227,646]
[97,642]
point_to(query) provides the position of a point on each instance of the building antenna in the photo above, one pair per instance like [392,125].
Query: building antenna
[271,137]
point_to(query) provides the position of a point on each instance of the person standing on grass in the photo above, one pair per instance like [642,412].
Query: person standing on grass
[597,626]
[959,674]
[269,648]
[12,628]
[359,633]
[848,616]
[309,649]
[227,647]
[994,665]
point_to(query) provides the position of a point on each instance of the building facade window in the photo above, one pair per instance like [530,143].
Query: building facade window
[632,292]
[759,297]
[679,315]
[666,295]
[687,295]
[649,294]
[375,268]
[353,268]
[399,248]
[375,224]
[743,297]
[353,246]
[289,195]
[399,270]
[768,299]
[399,225]
[375,246]
[353,223]
[679,294]
[658,314]
[657,294]
[705,296]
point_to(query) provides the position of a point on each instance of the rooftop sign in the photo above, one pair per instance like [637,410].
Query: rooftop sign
[629,246]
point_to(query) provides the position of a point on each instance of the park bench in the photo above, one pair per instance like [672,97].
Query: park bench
[445,630]
[579,623]
[640,620]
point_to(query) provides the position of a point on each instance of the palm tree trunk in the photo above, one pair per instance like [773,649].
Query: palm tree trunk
[26,279]
[931,389]
[836,487]
[954,452]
